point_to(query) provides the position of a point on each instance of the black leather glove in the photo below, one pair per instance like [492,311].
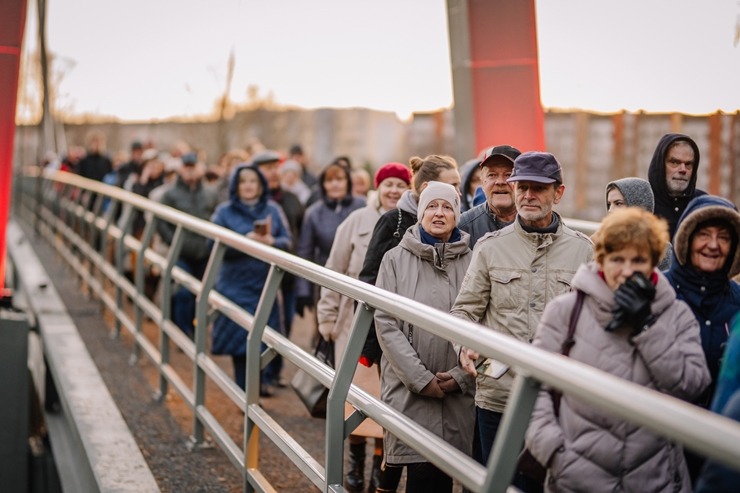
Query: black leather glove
[633,299]
[302,303]
[371,350]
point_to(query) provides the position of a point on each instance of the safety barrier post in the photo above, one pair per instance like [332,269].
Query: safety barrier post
[166,307]
[201,330]
[254,365]
[100,240]
[125,223]
[510,437]
[90,217]
[139,275]
[336,428]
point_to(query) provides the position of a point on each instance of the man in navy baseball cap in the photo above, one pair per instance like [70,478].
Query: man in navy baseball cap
[532,259]
[538,185]
[541,167]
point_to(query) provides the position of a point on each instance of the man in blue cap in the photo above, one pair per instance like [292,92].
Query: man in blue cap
[514,273]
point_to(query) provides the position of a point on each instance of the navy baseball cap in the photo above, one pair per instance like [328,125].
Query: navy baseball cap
[541,167]
[507,151]
[189,159]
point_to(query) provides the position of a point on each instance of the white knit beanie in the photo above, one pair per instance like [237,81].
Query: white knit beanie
[438,190]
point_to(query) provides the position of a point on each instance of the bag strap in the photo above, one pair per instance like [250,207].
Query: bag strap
[568,343]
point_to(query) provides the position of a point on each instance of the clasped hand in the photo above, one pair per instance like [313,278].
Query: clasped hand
[441,384]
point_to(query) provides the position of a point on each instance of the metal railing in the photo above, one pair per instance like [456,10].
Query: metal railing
[68,215]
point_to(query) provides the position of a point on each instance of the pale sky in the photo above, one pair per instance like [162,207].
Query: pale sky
[148,59]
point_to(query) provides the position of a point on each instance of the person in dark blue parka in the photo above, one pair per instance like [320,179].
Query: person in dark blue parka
[242,277]
[706,258]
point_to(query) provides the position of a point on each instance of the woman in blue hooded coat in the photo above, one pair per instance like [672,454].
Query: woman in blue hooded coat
[706,258]
[242,276]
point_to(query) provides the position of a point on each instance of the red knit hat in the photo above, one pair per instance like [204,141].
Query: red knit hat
[393,170]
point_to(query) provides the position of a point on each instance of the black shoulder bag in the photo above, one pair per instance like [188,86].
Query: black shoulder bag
[527,464]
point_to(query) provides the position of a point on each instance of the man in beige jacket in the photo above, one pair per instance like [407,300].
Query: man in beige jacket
[514,273]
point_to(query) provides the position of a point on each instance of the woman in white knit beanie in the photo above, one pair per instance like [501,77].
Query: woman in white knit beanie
[419,372]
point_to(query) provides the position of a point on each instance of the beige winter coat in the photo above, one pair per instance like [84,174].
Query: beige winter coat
[588,449]
[512,276]
[411,355]
[335,312]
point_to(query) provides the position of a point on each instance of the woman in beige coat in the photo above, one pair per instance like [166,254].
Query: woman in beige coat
[335,312]
[419,372]
[632,326]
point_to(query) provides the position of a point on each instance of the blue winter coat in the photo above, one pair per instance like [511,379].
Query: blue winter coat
[242,277]
[714,298]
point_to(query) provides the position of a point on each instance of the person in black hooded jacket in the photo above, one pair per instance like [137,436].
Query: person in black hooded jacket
[672,176]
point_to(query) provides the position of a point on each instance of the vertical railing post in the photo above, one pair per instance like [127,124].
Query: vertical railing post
[254,346]
[201,330]
[139,275]
[100,243]
[166,306]
[94,234]
[510,436]
[335,424]
[127,220]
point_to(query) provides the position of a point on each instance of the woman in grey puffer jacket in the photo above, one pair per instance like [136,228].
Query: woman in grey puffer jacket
[632,326]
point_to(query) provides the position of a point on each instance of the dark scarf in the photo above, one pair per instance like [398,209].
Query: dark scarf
[335,204]
[428,239]
[552,228]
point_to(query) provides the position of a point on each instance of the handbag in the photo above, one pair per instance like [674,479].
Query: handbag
[312,393]
[527,464]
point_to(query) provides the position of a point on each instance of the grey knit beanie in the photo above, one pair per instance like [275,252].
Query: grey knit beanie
[636,192]
[438,190]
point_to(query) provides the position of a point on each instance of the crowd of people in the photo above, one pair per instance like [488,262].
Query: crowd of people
[651,297]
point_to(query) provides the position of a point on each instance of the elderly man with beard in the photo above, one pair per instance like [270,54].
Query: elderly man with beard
[513,274]
[672,175]
[498,210]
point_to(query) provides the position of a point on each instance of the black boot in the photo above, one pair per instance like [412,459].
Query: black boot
[375,474]
[355,482]
[390,476]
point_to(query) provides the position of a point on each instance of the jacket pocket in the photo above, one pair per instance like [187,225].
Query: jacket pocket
[507,292]
[561,284]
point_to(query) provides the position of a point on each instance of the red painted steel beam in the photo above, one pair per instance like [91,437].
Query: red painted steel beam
[496,74]
[12,23]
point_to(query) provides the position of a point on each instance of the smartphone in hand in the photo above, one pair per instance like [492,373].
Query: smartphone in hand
[261,227]
[490,367]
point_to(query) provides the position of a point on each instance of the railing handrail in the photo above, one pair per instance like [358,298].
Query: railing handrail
[700,430]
